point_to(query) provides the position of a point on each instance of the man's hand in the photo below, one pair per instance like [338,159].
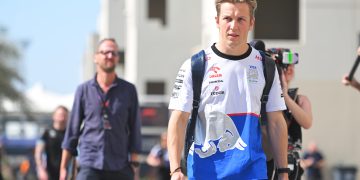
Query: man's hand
[63,174]
[42,174]
[178,176]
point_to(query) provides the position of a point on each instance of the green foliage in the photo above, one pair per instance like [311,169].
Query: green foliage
[9,76]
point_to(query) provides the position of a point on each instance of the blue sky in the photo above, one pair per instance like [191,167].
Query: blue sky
[57,31]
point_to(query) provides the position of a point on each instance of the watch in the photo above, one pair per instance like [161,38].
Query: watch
[283,170]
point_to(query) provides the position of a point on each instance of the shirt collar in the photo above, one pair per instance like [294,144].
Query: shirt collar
[95,83]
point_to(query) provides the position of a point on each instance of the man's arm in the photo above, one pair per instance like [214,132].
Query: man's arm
[72,133]
[41,169]
[175,141]
[65,159]
[134,124]
[278,137]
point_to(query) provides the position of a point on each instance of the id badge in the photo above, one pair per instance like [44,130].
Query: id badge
[106,124]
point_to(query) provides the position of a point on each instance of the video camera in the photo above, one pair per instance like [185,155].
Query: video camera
[282,56]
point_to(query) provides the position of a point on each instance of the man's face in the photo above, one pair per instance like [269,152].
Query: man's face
[60,116]
[234,23]
[107,56]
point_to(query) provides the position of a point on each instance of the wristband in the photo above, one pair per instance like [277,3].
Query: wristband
[176,170]
[283,170]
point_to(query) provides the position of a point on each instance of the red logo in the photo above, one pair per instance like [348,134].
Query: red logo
[215,75]
[215,69]
[257,57]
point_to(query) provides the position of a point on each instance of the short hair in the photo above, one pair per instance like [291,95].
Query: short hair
[252,5]
[62,107]
[106,39]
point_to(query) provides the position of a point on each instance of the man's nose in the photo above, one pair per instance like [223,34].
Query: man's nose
[234,24]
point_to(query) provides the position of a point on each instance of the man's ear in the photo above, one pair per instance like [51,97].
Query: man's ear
[252,23]
[94,58]
[217,21]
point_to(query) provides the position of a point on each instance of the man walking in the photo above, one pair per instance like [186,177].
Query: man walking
[104,122]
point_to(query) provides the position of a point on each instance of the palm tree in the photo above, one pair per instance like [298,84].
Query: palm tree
[9,77]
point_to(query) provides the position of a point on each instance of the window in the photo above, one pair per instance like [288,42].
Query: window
[277,20]
[121,57]
[155,88]
[157,10]
[154,114]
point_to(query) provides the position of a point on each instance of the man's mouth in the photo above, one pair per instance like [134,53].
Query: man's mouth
[233,35]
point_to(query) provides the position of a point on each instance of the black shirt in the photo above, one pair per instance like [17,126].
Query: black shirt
[52,140]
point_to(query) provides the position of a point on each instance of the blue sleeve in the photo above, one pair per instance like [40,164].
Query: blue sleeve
[134,123]
[72,133]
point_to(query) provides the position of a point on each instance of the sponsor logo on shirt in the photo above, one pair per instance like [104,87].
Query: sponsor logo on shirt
[177,87]
[215,72]
[217,91]
[259,58]
[180,81]
[214,69]
[215,75]
[207,57]
[216,81]
[252,74]
[174,94]
[227,135]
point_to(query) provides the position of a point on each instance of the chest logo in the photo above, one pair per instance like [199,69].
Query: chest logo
[252,74]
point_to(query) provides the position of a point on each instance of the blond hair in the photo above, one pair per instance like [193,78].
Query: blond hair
[252,5]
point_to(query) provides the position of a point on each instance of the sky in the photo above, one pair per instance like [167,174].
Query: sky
[57,32]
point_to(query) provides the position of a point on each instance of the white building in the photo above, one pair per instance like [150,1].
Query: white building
[156,36]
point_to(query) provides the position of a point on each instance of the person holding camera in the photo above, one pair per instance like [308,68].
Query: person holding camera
[298,114]
[354,82]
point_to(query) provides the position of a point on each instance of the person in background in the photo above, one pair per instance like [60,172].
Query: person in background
[313,162]
[298,116]
[49,146]
[104,122]
[159,158]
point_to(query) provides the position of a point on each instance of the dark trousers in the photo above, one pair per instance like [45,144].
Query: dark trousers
[88,173]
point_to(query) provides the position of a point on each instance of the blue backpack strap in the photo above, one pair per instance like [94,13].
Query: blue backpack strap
[269,74]
[198,71]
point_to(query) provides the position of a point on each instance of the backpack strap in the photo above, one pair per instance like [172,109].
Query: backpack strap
[198,71]
[269,74]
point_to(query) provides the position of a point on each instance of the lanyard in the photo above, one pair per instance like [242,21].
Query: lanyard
[105,103]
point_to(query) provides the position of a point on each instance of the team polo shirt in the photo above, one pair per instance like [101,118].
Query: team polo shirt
[227,134]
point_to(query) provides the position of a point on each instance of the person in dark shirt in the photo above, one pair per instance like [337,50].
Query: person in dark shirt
[159,158]
[50,145]
[313,161]
[104,123]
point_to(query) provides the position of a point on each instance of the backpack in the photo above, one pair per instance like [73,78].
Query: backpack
[198,71]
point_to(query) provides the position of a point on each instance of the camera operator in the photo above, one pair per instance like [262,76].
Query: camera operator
[298,114]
